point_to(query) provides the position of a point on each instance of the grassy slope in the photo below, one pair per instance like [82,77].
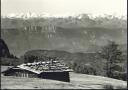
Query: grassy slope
[78,81]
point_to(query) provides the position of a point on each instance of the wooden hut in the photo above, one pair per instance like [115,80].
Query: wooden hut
[46,70]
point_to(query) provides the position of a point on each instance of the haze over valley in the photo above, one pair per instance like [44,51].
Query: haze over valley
[79,33]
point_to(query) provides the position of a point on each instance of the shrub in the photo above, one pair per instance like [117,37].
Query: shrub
[108,86]
[121,87]
[120,75]
[83,68]
[11,62]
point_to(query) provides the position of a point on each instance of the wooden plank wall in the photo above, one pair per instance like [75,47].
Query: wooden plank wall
[61,76]
[24,73]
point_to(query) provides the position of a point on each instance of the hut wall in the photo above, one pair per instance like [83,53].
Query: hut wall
[20,73]
[9,72]
[61,76]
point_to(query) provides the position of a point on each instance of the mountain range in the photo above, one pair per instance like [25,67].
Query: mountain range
[72,33]
[47,15]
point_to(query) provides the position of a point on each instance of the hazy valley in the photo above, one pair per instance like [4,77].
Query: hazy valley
[73,34]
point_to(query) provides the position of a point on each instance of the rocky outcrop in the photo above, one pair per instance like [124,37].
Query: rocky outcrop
[4,51]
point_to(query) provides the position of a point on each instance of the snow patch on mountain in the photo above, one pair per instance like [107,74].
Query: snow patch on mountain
[66,15]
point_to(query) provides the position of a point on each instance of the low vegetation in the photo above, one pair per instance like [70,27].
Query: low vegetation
[11,61]
[108,86]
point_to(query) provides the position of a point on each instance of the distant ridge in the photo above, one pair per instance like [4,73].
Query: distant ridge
[66,15]
[75,33]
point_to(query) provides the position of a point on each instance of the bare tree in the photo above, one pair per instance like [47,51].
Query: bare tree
[112,56]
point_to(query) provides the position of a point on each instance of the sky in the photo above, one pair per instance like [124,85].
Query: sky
[54,7]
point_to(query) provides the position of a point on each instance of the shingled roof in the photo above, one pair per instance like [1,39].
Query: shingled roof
[45,66]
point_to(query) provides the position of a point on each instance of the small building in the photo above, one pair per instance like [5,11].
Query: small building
[40,70]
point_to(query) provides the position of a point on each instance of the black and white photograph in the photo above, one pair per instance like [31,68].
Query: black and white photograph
[63,44]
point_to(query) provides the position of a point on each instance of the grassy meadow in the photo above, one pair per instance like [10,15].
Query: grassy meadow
[77,81]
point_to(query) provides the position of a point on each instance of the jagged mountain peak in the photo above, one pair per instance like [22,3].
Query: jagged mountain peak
[66,15]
